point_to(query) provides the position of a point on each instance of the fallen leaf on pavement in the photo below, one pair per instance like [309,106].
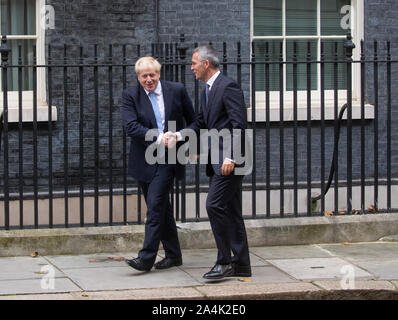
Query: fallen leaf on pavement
[328,213]
[41,272]
[98,260]
[117,258]
[347,243]
[34,254]
[245,280]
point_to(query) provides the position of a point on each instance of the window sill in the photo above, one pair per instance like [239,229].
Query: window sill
[27,113]
[288,112]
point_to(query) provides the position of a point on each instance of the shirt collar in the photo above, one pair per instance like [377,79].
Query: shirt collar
[157,91]
[210,82]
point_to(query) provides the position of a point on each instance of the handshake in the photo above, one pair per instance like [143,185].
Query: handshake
[169,139]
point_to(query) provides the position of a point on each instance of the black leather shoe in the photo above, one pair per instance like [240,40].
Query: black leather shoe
[241,271]
[139,264]
[168,263]
[219,271]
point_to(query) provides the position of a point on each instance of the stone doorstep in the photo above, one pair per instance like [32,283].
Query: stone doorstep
[391,238]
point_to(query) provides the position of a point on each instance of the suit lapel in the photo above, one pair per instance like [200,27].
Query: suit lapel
[212,94]
[167,96]
[147,106]
[214,88]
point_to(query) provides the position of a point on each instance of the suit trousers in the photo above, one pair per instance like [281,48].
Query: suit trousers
[160,225]
[224,208]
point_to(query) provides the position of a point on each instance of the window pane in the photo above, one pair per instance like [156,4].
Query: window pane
[331,18]
[18,17]
[329,54]
[274,54]
[301,17]
[302,66]
[267,17]
[27,59]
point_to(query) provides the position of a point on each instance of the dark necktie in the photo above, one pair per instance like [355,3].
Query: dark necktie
[207,93]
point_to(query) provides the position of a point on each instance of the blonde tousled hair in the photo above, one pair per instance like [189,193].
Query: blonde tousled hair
[145,62]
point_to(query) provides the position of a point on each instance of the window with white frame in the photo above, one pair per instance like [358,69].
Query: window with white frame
[279,25]
[20,21]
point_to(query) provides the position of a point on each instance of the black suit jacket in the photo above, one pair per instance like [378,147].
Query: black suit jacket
[225,111]
[138,117]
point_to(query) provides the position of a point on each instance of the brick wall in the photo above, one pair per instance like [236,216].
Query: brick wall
[381,25]
[85,23]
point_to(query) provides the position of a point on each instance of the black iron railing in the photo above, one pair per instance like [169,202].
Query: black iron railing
[73,171]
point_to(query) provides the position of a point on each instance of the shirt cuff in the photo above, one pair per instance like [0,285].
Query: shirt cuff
[230,160]
[179,136]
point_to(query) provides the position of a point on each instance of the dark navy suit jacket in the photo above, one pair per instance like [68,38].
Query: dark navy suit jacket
[225,111]
[138,117]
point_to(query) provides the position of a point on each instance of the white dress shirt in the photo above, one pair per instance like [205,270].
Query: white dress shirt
[159,99]
[210,82]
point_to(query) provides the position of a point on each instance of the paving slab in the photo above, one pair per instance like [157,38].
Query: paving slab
[318,268]
[100,260]
[259,275]
[364,251]
[18,268]
[287,252]
[29,286]
[298,271]
[206,258]
[384,270]
[125,277]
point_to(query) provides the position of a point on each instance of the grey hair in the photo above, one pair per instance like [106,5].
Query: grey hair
[207,52]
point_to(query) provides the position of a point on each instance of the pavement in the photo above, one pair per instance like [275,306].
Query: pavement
[366,270]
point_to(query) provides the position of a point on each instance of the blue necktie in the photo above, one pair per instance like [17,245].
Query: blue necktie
[207,93]
[155,108]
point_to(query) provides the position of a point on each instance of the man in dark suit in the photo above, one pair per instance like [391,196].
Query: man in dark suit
[222,109]
[147,110]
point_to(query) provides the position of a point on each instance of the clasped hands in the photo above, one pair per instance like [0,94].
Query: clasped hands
[170,140]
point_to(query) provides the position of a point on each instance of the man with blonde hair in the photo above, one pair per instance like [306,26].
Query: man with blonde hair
[150,106]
